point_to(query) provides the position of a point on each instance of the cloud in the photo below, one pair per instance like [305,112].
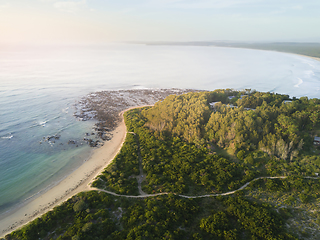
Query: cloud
[70,6]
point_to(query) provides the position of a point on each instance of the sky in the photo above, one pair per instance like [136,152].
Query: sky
[101,21]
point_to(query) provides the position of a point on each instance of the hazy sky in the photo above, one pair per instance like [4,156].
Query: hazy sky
[98,21]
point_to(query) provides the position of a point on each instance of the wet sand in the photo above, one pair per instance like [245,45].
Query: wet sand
[74,183]
[315,58]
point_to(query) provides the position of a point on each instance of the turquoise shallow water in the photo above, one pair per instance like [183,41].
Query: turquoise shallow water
[28,163]
[40,85]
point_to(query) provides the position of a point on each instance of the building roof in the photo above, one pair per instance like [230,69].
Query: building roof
[213,103]
[316,139]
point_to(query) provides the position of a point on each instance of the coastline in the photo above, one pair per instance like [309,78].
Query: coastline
[315,58]
[301,55]
[227,46]
[80,179]
[77,181]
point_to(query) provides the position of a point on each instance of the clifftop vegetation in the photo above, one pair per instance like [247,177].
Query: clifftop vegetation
[240,121]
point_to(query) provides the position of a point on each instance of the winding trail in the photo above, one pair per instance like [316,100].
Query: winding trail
[200,196]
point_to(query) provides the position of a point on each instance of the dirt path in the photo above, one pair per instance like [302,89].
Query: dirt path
[141,177]
[184,196]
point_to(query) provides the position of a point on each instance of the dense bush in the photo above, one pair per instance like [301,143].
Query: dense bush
[119,176]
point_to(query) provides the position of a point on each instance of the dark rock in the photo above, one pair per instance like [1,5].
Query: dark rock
[53,137]
[93,143]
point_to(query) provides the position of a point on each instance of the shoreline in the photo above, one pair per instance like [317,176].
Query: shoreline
[226,46]
[77,181]
[80,179]
[314,58]
[301,55]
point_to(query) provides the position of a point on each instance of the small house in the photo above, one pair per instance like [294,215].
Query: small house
[316,141]
[213,104]
[242,96]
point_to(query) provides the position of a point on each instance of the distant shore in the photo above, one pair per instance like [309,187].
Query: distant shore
[300,48]
[77,181]
[315,58]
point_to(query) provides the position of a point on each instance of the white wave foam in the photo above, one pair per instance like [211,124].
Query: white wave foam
[139,87]
[65,110]
[311,65]
[43,124]
[9,136]
[309,73]
[299,83]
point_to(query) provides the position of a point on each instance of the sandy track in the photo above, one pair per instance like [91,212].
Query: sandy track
[200,196]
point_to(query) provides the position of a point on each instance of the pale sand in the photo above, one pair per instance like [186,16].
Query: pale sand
[76,182]
[315,58]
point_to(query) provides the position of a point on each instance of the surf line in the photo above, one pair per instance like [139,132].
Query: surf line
[299,83]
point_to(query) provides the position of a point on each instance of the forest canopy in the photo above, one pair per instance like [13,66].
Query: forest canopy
[239,120]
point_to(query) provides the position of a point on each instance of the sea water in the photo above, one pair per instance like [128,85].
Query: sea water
[40,85]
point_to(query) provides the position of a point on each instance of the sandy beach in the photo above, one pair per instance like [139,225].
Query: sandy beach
[76,182]
[315,58]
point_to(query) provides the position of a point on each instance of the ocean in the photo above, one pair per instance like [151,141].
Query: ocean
[39,87]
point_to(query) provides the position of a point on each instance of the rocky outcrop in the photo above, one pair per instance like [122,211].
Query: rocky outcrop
[105,106]
[47,139]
